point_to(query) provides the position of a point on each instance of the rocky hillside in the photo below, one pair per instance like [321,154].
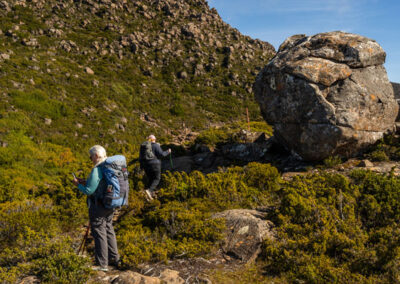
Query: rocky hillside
[84,71]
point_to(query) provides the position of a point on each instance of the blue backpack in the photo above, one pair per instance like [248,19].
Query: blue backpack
[115,191]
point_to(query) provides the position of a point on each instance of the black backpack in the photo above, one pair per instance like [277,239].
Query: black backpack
[146,152]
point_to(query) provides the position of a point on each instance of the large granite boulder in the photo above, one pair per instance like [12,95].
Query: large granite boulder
[327,94]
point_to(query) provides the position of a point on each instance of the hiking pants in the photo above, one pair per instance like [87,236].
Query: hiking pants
[153,173]
[105,243]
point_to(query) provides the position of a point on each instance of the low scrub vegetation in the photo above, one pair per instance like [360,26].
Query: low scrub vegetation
[330,228]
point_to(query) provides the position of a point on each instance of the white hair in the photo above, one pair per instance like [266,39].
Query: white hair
[151,137]
[99,151]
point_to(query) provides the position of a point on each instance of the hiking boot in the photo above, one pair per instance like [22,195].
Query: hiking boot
[100,268]
[116,264]
[149,194]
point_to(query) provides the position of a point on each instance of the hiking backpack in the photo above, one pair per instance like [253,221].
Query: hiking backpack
[115,192]
[146,152]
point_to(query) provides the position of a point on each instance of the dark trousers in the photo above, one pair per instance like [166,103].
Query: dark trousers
[105,243]
[153,173]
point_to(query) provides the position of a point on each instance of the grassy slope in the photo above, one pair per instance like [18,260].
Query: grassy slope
[46,81]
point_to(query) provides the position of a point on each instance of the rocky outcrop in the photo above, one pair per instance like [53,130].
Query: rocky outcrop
[207,161]
[245,231]
[166,276]
[327,94]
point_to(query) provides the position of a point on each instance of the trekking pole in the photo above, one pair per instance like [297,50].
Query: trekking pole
[170,159]
[248,119]
[83,243]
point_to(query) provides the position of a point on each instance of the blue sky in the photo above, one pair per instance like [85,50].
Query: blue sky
[275,20]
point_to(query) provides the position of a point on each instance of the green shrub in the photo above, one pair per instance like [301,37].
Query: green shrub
[17,216]
[166,232]
[385,149]
[258,126]
[230,133]
[212,137]
[332,162]
[180,223]
[237,187]
[334,229]
[177,110]
[44,253]
[379,199]
[379,156]
[38,102]
[64,267]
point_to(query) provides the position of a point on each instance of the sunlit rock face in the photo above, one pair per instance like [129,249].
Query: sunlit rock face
[327,94]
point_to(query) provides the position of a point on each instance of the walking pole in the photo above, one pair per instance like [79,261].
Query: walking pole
[83,243]
[248,119]
[170,159]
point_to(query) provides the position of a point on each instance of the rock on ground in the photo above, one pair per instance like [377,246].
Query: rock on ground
[169,276]
[166,276]
[30,280]
[245,231]
[327,94]
[130,277]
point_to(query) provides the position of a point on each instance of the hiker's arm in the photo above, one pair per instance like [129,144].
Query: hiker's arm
[159,152]
[92,183]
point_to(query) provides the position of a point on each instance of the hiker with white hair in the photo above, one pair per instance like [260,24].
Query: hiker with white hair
[149,158]
[105,243]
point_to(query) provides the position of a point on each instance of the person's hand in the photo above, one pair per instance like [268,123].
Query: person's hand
[77,181]
[169,151]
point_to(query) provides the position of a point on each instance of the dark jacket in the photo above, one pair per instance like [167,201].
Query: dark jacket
[158,152]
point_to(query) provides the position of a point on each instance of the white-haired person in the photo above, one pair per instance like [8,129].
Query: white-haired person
[106,251]
[152,165]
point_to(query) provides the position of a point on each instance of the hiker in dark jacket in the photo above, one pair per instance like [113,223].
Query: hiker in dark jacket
[152,167]
[105,243]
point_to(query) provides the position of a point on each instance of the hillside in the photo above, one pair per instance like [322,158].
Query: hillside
[110,72]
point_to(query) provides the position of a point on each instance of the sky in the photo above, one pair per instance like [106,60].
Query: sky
[275,20]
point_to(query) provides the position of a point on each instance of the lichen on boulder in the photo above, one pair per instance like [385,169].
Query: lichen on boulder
[327,94]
